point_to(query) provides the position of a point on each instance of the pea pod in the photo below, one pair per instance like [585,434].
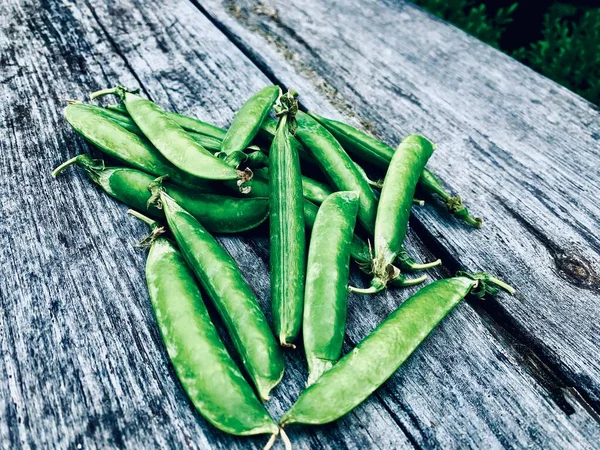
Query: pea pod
[233,298]
[337,167]
[360,251]
[286,229]
[213,383]
[171,140]
[327,273]
[394,208]
[116,142]
[248,120]
[217,213]
[190,124]
[372,151]
[207,135]
[362,370]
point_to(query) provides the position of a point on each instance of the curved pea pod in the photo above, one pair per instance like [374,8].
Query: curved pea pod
[394,208]
[207,135]
[213,383]
[287,234]
[430,185]
[358,144]
[115,141]
[378,356]
[248,120]
[314,190]
[327,273]
[232,296]
[372,151]
[337,166]
[172,141]
[217,213]
[188,123]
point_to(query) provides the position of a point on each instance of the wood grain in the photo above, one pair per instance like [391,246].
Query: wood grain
[81,354]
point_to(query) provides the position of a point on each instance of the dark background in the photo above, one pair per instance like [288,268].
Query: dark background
[560,39]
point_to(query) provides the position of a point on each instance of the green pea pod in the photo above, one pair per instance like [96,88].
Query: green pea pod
[362,146]
[213,383]
[217,213]
[287,233]
[172,141]
[116,142]
[378,356]
[197,126]
[207,135]
[248,120]
[372,151]
[232,296]
[394,208]
[337,166]
[327,273]
[190,124]
[314,190]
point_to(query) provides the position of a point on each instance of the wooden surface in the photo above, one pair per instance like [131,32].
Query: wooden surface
[81,360]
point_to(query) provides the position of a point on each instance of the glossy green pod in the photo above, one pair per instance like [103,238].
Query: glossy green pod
[188,123]
[116,142]
[217,213]
[212,381]
[327,273]
[337,166]
[362,370]
[248,120]
[360,145]
[314,190]
[233,298]
[394,207]
[372,151]
[172,141]
[287,233]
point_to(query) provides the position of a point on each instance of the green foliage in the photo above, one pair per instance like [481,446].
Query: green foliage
[569,52]
[472,17]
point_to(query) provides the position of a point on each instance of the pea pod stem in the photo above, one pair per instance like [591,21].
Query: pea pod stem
[405,261]
[430,185]
[147,220]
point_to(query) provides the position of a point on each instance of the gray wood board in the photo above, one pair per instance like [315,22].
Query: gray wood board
[81,354]
[522,150]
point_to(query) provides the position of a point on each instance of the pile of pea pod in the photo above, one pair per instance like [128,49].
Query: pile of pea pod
[307,175]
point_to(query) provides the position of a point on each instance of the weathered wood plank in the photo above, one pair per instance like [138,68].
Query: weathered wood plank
[79,345]
[522,149]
